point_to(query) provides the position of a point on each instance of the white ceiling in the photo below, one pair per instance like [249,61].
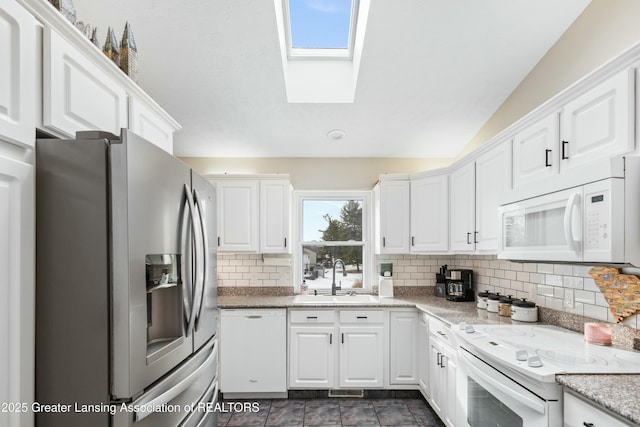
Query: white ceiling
[432,73]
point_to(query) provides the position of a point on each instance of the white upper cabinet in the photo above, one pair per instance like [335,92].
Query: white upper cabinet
[392,216]
[17,74]
[535,152]
[77,93]
[430,214]
[598,124]
[493,179]
[238,210]
[462,216]
[275,216]
[147,123]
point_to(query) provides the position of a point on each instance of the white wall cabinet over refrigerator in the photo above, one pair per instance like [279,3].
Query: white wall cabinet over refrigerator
[430,213]
[253,352]
[392,215]
[17,74]
[77,93]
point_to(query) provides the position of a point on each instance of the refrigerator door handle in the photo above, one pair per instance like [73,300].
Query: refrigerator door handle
[168,395]
[199,295]
[196,250]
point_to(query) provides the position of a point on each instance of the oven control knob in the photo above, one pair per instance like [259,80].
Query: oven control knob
[522,355]
[534,361]
[469,329]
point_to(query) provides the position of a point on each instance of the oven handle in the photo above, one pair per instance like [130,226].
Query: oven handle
[488,382]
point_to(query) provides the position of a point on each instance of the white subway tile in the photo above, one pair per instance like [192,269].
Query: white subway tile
[586,297]
[544,290]
[563,269]
[536,278]
[522,276]
[590,285]
[573,282]
[530,267]
[545,268]
[510,274]
[595,312]
[553,280]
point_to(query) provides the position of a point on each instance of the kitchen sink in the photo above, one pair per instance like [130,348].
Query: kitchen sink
[336,299]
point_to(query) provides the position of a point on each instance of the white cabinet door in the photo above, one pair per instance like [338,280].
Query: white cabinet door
[237,215]
[437,378]
[579,413]
[78,94]
[430,214]
[361,356]
[17,74]
[148,124]
[535,152]
[599,124]
[17,288]
[393,212]
[275,216]
[253,351]
[423,355]
[403,347]
[449,360]
[493,179]
[311,356]
[463,209]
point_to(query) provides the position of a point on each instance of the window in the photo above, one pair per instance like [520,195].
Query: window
[320,28]
[333,227]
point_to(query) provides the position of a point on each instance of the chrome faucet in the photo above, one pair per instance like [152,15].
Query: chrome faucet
[334,287]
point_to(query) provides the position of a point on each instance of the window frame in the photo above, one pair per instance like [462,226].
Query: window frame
[366,196]
[321,53]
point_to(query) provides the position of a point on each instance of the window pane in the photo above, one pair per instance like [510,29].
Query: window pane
[332,220]
[318,266]
[320,24]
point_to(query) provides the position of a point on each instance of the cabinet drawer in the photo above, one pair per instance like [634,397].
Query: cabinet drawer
[579,413]
[312,316]
[361,316]
[440,330]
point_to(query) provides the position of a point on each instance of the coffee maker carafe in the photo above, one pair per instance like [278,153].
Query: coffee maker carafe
[459,285]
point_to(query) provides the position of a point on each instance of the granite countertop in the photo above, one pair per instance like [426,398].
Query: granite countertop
[618,393]
[447,311]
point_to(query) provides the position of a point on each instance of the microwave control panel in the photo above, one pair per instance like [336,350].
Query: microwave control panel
[597,208]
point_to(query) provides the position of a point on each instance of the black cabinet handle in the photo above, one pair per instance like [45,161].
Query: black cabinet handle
[285,242]
[547,163]
[468,238]
[565,152]
[475,237]
[586,424]
[413,241]
[361,317]
[218,240]
[384,242]
[342,338]
[438,358]
[312,317]
[330,338]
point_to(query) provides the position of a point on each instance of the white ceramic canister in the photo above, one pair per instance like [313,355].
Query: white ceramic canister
[493,303]
[524,311]
[482,299]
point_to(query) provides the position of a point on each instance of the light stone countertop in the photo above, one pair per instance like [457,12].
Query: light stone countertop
[618,393]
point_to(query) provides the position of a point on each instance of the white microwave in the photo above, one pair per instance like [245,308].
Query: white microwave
[579,224]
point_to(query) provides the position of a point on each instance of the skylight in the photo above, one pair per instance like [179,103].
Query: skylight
[321,28]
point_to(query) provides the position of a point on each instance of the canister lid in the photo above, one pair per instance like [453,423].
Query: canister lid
[495,296]
[524,303]
[484,294]
[508,299]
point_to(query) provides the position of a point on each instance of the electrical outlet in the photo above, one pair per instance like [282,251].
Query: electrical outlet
[569,298]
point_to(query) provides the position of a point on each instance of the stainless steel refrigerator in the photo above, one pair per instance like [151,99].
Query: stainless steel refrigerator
[126,297]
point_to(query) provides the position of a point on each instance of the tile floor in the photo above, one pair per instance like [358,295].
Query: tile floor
[335,412]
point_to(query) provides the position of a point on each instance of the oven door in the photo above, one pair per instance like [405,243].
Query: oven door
[490,398]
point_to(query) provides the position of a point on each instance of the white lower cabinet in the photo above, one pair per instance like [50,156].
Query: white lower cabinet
[403,347]
[580,413]
[253,357]
[322,340]
[423,355]
[442,372]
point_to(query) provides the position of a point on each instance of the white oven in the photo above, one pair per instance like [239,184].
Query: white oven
[581,224]
[506,374]
[490,398]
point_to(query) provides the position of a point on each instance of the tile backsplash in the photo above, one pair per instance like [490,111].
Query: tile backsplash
[545,283]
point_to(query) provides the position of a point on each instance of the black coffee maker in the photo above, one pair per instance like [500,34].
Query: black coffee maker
[459,285]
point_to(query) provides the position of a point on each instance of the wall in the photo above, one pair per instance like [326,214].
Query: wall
[603,31]
[317,173]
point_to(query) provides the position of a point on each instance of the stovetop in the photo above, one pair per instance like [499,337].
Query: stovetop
[540,351]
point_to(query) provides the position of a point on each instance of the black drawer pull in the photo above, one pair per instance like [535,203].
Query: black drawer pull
[586,424]
[547,163]
[361,317]
[311,317]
